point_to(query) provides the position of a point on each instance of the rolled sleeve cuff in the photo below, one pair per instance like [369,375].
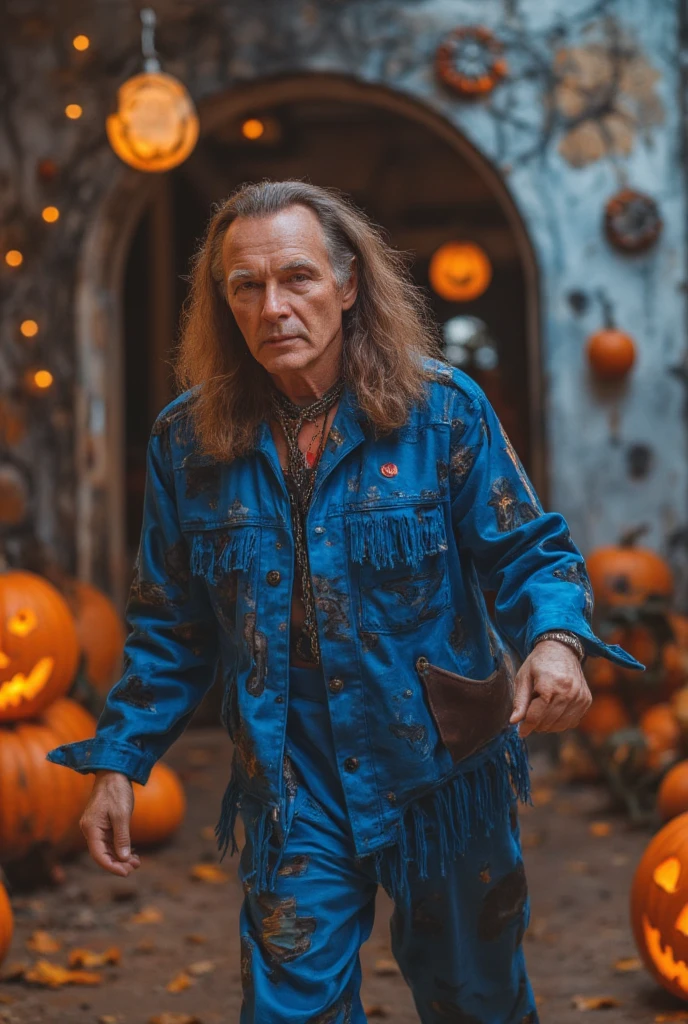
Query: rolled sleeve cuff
[94,754]
[595,647]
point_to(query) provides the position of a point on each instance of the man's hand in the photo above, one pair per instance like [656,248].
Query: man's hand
[551,693]
[105,823]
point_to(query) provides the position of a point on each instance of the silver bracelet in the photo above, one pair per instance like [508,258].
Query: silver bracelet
[565,637]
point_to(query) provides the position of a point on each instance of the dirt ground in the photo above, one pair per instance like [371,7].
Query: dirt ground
[578,880]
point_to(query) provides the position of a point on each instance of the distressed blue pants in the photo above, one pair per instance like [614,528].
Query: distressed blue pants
[457,938]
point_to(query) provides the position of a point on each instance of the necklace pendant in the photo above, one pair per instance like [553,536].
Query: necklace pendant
[310,458]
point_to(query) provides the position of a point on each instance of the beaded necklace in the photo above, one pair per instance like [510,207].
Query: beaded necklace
[300,479]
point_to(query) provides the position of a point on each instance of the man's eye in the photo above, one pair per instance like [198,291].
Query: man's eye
[246,284]
[299,277]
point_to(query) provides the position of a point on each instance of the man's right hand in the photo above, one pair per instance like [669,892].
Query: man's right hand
[105,823]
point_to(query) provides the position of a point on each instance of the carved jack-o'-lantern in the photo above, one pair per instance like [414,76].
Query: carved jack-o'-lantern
[459,271]
[39,650]
[156,125]
[659,906]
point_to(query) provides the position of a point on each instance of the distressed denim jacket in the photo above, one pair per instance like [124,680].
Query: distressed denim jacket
[404,533]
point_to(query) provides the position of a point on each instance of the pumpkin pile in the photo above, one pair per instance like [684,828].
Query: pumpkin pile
[635,734]
[6,923]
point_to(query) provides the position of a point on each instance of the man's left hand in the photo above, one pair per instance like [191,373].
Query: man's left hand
[550,691]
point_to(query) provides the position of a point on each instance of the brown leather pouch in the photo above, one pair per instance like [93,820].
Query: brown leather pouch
[467,712]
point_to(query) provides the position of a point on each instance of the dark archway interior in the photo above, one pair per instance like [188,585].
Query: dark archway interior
[407,178]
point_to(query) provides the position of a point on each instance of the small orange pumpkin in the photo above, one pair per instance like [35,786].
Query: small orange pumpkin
[662,732]
[159,806]
[659,906]
[6,923]
[39,649]
[672,795]
[610,352]
[600,674]
[100,630]
[605,715]
[628,575]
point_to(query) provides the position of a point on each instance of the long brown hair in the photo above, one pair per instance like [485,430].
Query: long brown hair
[385,334]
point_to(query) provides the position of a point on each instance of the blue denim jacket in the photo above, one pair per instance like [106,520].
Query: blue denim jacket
[399,561]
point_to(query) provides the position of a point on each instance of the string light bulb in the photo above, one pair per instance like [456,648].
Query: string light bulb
[29,328]
[37,381]
[43,379]
[73,111]
[13,258]
[253,128]
[50,214]
[81,42]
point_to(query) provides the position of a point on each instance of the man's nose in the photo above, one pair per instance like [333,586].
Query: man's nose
[275,305]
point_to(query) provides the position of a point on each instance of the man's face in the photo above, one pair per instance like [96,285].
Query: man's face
[281,289]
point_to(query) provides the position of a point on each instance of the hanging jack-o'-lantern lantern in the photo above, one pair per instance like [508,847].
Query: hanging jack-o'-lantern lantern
[459,271]
[470,61]
[659,907]
[39,650]
[156,124]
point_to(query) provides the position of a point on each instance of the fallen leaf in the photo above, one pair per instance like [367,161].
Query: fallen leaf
[201,967]
[599,828]
[208,832]
[13,971]
[147,915]
[542,795]
[196,939]
[174,1018]
[385,967]
[208,873]
[109,1018]
[628,963]
[377,1011]
[52,975]
[145,946]
[577,867]
[179,982]
[585,1003]
[671,1015]
[43,942]
[88,958]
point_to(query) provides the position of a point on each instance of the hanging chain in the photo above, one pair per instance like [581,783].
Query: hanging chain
[300,480]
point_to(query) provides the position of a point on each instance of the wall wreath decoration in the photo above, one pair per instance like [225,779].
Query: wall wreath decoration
[632,221]
[470,61]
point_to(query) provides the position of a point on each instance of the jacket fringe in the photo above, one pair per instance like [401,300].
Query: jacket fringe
[213,551]
[396,536]
[469,801]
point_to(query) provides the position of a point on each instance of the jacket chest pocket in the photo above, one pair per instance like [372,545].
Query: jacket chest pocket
[226,556]
[399,566]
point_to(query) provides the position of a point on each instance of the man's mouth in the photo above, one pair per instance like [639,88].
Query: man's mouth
[280,338]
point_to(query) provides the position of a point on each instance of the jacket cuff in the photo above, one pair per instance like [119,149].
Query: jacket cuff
[93,754]
[594,647]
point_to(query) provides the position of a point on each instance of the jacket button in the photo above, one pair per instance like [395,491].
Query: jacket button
[336,685]
[273,577]
[421,663]
[351,764]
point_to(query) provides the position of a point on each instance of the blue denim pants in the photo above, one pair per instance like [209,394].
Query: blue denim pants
[457,938]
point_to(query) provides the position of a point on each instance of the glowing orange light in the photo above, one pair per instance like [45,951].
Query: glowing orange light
[73,111]
[50,214]
[29,328]
[42,379]
[253,128]
[81,42]
[14,258]
[459,271]
[156,125]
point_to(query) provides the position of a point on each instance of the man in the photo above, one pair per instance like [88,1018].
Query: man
[324,505]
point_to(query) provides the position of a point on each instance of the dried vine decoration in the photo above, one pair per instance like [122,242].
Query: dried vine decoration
[300,479]
[470,61]
[632,221]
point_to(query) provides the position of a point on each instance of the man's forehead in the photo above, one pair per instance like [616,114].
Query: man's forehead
[294,232]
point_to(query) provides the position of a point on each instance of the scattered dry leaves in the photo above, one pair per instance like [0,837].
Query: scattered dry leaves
[208,873]
[174,1018]
[628,963]
[585,1003]
[670,1016]
[179,982]
[147,915]
[145,946]
[542,795]
[385,967]
[89,958]
[43,942]
[52,975]
[599,828]
[196,938]
[377,1011]
[201,967]
[13,971]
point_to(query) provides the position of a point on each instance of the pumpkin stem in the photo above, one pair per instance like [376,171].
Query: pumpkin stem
[629,537]
[607,310]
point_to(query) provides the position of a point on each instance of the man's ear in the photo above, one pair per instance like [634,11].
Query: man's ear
[350,289]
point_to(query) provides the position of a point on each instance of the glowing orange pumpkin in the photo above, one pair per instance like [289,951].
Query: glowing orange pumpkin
[156,125]
[459,271]
[6,923]
[159,806]
[627,575]
[100,631]
[659,906]
[39,649]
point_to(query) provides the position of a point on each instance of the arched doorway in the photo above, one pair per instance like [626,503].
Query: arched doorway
[412,171]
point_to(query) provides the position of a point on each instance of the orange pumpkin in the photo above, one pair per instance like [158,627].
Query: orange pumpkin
[605,715]
[672,795]
[459,271]
[39,649]
[610,352]
[159,806]
[662,733]
[6,923]
[100,630]
[675,654]
[600,674]
[627,575]
[659,906]
[39,801]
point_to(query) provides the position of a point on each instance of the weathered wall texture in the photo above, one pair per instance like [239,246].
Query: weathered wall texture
[591,102]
